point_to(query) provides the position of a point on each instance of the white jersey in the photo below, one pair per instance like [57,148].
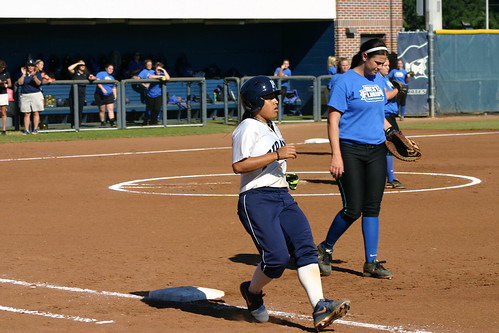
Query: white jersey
[255,138]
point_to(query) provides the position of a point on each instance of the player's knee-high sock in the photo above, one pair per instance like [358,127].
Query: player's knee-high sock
[258,281]
[402,111]
[338,227]
[310,279]
[370,231]
[389,168]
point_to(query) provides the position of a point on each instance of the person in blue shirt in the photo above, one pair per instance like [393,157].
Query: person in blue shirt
[391,111]
[154,92]
[32,101]
[331,65]
[105,95]
[135,65]
[400,75]
[343,67]
[283,70]
[142,88]
[356,128]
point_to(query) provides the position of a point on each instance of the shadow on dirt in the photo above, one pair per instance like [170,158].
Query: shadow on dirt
[320,181]
[312,153]
[216,309]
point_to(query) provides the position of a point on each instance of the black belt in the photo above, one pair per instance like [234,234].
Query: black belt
[358,144]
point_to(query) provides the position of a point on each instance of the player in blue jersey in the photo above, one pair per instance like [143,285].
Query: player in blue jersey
[143,87]
[283,70]
[391,111]
[154,100]
[356,129]
[343,67]
[400,75]
[331,65]
[277,226]
[105,95]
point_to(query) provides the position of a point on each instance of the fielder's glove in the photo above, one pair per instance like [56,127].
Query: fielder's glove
[402,89]
[292,179]
[401,147]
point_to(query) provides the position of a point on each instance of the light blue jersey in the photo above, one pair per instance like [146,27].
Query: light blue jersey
[398,75]
[391,106]
[103,75]
[361,101]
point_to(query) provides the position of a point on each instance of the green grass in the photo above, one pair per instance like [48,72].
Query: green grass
[485,124]
[217,126]
[214,126]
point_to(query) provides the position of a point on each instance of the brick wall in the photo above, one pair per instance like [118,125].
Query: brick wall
[368,17]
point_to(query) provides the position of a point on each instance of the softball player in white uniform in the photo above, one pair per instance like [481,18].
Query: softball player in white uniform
[277,226]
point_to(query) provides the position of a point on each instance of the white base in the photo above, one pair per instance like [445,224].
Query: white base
[184,294]
[317,140]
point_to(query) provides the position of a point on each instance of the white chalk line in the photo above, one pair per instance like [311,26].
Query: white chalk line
[192,149]
[135,186]
[398,329]
[111,154]
[60,316]
[54,315]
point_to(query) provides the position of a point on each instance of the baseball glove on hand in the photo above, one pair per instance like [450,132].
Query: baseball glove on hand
[292,179]
[402,89]
[401,147]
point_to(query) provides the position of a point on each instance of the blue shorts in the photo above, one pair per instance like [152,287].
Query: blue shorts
[278,228]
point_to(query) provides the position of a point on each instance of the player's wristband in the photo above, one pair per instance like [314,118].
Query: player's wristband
[278,157]
[389,130]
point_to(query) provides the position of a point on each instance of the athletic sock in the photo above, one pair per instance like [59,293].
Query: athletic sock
[339,225]
[258,281]
[389,168]
[402,111]
[310,279]
[370,231]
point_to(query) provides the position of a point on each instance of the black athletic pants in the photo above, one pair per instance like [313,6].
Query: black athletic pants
[363,182]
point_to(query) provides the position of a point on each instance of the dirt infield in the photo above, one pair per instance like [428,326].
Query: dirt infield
[66,237]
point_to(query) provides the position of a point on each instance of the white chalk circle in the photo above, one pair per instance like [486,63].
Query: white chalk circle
[150,185]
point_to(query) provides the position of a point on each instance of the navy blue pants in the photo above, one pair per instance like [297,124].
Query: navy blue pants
[278,228]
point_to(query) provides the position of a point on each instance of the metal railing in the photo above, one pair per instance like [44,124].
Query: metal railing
[310,86]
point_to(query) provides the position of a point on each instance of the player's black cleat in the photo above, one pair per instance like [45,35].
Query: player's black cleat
[325,257]
[376,270]
[255,303]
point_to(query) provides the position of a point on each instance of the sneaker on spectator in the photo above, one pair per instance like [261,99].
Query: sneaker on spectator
[25,132]
[327,311]
[34,132]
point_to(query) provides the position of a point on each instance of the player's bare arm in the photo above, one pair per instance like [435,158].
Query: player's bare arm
[336,167]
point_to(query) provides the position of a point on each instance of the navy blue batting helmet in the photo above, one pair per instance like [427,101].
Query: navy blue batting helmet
[254,89]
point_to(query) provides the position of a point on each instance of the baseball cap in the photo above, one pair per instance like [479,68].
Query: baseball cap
[30,62]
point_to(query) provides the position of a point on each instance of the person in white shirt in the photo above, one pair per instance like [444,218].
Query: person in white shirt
[272,218]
